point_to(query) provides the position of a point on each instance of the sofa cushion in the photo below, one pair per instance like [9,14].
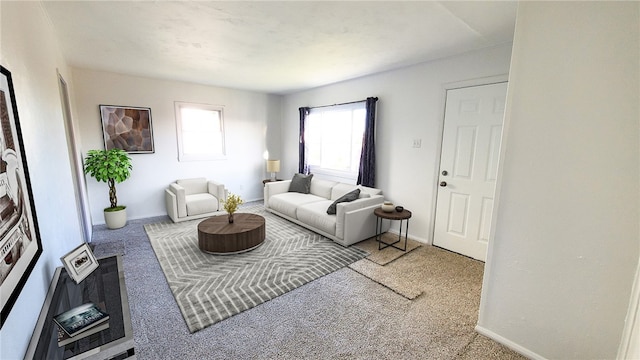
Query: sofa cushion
[341,189]
[322,188]
[315,215]
[194,186]
[369,190]
[201,203]
[287,203]
[348,197]
[301,183]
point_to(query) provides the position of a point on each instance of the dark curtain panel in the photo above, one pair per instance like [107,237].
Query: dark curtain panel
[367,172]
[302,158]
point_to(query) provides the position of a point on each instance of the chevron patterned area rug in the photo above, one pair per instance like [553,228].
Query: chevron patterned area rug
[210,288]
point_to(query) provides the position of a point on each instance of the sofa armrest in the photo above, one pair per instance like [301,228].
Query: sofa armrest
[356,220]
[275,188]
[217,189]
[181,205]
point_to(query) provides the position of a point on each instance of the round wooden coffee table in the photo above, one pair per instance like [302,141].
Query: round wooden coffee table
[217,236]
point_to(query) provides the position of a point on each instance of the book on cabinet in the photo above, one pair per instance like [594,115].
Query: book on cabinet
[80,319]
[65,339]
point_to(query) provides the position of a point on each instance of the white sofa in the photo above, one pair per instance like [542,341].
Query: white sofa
[353,222]
[189,199]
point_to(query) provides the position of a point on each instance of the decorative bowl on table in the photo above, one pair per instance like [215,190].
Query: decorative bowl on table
[387,206]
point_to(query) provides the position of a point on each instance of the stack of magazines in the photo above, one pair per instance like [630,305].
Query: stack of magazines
[79,322]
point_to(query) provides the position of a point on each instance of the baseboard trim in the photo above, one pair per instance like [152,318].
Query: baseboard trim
[508,343]
[412,237]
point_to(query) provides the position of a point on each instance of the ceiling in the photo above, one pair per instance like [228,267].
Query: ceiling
[273,47]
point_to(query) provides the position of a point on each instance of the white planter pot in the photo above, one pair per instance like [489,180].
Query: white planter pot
[115,219]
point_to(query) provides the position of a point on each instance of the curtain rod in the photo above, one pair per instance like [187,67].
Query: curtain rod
[346,103]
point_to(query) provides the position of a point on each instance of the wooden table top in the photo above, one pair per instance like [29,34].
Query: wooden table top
[242,222]
[394,215]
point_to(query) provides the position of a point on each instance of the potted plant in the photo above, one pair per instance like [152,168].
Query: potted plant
[110,166]
[231,205]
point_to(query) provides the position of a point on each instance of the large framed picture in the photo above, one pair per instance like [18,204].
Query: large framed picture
[127,128]
[79,262]
[20,244]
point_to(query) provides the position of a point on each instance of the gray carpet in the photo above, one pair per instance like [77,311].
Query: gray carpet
[343,315]
[210,288]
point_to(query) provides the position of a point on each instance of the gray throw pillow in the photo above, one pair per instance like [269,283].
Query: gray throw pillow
[301,183]
[348,197]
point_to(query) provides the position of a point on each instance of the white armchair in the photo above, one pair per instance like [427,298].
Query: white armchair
[189,199]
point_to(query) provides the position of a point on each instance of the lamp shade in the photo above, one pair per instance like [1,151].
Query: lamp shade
[273,165]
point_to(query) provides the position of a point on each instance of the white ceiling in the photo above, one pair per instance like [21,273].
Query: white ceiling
[274,47]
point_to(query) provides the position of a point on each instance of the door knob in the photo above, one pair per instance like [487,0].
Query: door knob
[443,183]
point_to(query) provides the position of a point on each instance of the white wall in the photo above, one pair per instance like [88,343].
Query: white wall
[562,260]
[248,118]
[30,51]
[410,106]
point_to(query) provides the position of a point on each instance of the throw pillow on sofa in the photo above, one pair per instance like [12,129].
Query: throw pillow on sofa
[348,197]
[301,183]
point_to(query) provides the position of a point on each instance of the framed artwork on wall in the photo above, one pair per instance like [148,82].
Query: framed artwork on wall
[127,128]
[20,244]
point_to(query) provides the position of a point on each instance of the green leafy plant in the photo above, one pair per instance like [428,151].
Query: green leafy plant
[110,166]
[232,202]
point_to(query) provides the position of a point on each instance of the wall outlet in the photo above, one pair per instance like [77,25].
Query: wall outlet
[417,143]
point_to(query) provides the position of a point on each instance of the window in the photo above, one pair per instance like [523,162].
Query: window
[200,130]
[333,140]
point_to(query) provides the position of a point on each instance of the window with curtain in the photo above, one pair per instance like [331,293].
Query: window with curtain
[200,132]
[333,140]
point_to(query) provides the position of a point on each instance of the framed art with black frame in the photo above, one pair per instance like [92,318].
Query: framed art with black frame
[128,128]
[20,244]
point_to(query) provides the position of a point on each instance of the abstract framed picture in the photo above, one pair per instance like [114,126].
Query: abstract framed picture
[79,262]
[127,128]
[20,244]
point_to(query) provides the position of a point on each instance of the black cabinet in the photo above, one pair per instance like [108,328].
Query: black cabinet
[104,287]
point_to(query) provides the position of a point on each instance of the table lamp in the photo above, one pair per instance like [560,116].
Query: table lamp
[273,166]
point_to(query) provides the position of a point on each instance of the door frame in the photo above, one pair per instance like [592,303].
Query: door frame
[75,160]
[489,80]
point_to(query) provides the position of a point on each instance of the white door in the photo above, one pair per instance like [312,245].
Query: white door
[468,168]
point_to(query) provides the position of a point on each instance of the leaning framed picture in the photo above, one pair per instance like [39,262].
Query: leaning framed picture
[79,262]
[128,128]
[20,244]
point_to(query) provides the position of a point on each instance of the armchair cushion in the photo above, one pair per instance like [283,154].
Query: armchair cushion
[201,203]
[194,186]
